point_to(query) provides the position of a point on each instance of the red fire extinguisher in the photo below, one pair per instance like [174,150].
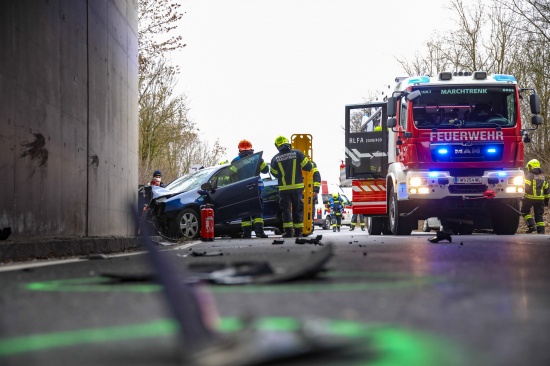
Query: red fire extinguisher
[207,223]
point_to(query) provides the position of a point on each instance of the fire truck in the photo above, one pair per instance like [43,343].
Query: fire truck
[449,146]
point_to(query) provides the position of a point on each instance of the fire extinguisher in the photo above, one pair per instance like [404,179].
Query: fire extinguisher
[207,223]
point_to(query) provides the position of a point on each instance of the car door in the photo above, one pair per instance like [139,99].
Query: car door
[236,195]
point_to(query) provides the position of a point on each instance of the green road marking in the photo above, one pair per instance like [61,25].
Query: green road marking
[384,345]
[379,281]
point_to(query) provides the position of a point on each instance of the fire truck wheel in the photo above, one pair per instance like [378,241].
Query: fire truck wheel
[187,224]
[375,225]
[399,225]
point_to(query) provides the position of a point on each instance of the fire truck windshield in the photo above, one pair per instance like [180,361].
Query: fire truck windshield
[462,106]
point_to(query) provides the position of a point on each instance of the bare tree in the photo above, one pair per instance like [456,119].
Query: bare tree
[168,139]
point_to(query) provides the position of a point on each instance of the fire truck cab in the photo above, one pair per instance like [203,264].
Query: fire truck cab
[450,146]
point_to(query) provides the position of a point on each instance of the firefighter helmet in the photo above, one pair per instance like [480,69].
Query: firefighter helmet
[532,164]
[280,141]
[335,195]
[245,145]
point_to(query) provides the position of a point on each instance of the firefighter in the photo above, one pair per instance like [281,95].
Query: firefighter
[316,188]
[250,222]
[537,194]
[354,221]
[336,209]
[287,167]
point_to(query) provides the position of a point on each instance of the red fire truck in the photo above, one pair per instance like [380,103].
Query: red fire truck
[450,146]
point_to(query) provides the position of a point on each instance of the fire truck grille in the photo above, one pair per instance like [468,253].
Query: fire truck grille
[467,189]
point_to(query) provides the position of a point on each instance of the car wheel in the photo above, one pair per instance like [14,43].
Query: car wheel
[187,224]
[328,223]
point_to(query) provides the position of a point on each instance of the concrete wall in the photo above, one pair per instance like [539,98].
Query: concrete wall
[68,117]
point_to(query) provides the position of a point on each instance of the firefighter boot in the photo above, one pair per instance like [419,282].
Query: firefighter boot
[259,230]
[297,232]
[363,227]
[531,228]
[288,233]
[352,227]
[540,229]
[334,229]
[338,228]
[247,232]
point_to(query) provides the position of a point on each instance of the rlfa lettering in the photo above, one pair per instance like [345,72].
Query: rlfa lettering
[287,156]
[466,136]
[463,91]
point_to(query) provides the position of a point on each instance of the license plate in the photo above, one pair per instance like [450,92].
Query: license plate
[468,180]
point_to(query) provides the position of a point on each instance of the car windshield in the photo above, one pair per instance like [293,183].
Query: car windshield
[190,181]
[459,107]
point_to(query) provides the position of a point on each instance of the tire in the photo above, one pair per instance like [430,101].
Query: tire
[505,220]
[375,225]
[328,223]
[186,225]
[398,225]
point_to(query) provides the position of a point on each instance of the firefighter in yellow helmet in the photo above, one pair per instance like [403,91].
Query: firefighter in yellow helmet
[336,208]
[250,222]
[287,167]
[537,194]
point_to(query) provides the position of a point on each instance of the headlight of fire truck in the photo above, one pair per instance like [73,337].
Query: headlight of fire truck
[515,184]
[418,185]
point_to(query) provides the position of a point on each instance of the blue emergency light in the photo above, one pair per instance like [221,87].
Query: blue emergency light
[433,174]
[491,150]
[442,151]
[501,174]
[502,77]
[419,80]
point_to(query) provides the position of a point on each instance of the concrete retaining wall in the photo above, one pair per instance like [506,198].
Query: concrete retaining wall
[68,117]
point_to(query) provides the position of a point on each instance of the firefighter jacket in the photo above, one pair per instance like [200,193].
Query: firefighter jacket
[287,167]
[336,205]
[536,185]
[316,177]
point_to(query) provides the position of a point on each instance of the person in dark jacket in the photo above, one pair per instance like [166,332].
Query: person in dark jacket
[537,194]
[336,209]
[287,167]
[249,222]
[316,189]
[157,179]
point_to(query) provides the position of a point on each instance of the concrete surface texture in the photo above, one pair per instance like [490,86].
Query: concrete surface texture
[68,117]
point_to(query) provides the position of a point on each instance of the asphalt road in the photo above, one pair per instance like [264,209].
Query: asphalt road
[480,300]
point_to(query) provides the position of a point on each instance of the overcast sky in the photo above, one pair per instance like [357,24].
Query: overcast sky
[256,69]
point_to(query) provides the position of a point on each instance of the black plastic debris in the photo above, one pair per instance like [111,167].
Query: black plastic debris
[206,254]
[441,235]
[96,256]
[316,240]
[278,242]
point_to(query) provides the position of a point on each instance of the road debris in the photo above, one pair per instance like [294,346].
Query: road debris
[441,235]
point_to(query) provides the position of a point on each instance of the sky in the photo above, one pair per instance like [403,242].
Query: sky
[257,69]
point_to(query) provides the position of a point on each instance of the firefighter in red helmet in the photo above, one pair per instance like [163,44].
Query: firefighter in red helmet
[250,222]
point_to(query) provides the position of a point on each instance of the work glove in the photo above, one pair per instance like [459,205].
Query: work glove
[546,201]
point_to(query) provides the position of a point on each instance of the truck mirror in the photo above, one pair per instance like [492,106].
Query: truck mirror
[392,122]
[412,96]
[536,120]
[391,106]
[206,186]
[534,101]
